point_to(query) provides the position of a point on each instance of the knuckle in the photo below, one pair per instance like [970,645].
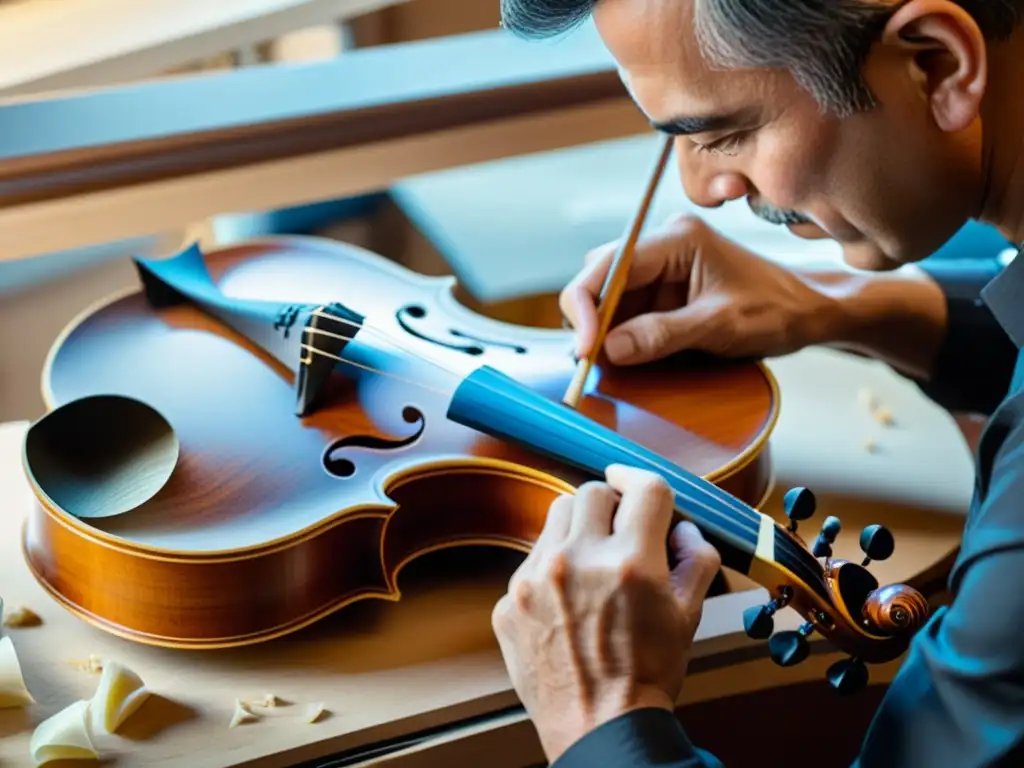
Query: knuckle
[708,558]
[632,570]
[566,305]
[501,619]
[561,503]
[654,488]
[686,223]
[600,252]
[595,488]
[655,335]
[556,567]
[522,596]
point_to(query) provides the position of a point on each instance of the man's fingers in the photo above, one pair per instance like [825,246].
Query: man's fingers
[654,335]
[556,526]
[578,301]
[645,509]
[697,563]
[656,256]
[593,510]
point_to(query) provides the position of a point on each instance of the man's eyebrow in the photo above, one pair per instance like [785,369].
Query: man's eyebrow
[685,126]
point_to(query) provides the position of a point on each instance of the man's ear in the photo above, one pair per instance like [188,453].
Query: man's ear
[948,57]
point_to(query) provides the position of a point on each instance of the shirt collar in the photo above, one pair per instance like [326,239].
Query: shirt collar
[1004,295]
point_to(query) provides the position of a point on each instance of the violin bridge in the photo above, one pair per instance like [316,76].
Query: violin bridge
[328,331]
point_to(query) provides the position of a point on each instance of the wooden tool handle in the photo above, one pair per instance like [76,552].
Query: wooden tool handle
[616,280]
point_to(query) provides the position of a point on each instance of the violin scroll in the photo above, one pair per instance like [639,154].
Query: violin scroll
[895,609]
[872,623]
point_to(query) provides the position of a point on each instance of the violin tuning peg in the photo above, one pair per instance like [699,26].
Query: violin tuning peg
[827,537]
[757,619]
[788,649]
[877,543]
[848,675]
[758,622]
[799,504]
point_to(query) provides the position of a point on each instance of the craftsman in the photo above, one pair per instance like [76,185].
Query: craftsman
[885,125]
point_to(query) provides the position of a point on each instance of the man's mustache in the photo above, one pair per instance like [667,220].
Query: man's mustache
[774,215]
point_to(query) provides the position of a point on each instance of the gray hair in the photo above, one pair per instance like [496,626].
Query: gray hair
[822,43]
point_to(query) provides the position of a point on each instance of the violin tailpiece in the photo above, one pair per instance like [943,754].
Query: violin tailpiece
[311,354]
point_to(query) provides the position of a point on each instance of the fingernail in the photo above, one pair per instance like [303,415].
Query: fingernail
[618,346]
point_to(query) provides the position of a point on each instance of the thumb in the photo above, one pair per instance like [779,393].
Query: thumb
[697,564]
[654,335]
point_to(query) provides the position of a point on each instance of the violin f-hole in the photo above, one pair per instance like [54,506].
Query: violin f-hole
[339,465]
[476,346]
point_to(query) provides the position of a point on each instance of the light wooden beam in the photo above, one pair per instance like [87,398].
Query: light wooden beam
[140,209]
[54,45]
[113,163]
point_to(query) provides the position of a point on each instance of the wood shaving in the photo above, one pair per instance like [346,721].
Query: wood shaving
[13,691]
[22,617]
[119,694]
[242,714]
[64,736]
[883,416]
[873,404]
[268,701]
[870,446]
[315,712]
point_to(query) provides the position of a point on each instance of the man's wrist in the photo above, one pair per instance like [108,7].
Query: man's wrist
[561,730]
[899,317]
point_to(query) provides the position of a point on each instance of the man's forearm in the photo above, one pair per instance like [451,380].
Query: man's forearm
[897,317]
[928,322]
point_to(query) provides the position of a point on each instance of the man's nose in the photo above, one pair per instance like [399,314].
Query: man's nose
[709,187]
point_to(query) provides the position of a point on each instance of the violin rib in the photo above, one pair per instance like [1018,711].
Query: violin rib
[266,501]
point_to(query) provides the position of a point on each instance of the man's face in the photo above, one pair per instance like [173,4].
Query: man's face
[890,185]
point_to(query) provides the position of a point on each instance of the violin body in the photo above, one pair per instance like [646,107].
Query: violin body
[208,476]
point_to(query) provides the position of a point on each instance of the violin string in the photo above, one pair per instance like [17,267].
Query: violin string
[385,336]
[371,369]
[382,334]
[746,514]
[388,374]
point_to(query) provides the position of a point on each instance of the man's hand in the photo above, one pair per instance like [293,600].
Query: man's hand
[594,623]
[691,288]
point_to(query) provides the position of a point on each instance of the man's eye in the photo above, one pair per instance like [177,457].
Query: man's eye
[722,145]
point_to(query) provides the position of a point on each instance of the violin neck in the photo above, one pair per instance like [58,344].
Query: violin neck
[497,405]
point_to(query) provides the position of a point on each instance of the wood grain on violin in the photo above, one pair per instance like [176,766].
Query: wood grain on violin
[233,454]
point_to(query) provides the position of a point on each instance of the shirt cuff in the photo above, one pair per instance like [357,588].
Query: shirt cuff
[976,361]
[639,738]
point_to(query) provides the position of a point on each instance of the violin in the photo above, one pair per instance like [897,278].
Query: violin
[262,434]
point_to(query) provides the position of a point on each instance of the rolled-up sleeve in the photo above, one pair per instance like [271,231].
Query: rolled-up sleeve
[976,361]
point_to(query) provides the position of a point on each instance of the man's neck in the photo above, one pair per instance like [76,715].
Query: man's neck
[1003,128]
